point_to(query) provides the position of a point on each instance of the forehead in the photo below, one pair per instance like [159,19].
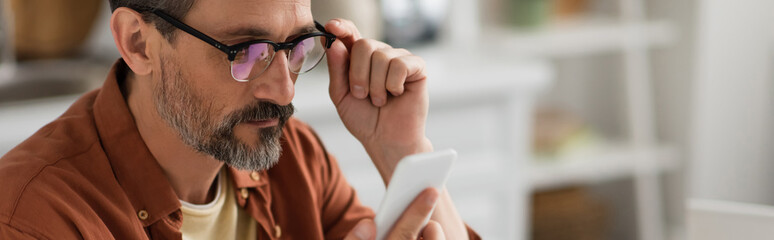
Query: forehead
[278,17]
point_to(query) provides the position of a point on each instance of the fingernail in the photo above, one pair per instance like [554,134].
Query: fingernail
[336,23]
[359,92]
[378,102]
[362,232]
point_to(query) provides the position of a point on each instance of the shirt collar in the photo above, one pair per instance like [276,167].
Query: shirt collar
[135,168]
[248,179]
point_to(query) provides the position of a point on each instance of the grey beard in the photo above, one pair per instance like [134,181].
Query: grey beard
[224,146]
[192,118]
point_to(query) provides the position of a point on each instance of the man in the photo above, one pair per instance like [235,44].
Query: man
[191,136]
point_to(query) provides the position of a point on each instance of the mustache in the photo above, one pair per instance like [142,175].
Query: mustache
[260,111]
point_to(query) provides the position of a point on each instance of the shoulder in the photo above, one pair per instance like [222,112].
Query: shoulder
[44,178]
[67,138]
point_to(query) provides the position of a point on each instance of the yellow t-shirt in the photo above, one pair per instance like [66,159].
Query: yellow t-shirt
[220,219]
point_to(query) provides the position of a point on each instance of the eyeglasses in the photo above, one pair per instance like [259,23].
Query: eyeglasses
[249,59]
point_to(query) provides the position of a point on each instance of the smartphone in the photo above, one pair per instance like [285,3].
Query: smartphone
[413,174]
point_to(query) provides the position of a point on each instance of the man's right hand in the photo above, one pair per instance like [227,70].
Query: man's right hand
[408,225]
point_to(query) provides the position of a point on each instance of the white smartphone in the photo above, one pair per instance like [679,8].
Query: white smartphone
[413,174]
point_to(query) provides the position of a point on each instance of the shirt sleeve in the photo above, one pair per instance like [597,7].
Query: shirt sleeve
[9,232]
[342,209]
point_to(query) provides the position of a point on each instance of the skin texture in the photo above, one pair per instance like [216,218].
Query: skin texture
[379,92]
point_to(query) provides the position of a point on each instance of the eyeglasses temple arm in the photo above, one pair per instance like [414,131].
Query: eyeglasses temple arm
[331,37]
[195,33]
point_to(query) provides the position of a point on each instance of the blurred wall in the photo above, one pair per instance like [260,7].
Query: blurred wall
[100,44]
[732,143]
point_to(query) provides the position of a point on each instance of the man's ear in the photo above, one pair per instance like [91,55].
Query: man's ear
[131,35]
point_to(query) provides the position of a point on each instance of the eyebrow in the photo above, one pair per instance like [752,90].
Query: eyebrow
[262,33]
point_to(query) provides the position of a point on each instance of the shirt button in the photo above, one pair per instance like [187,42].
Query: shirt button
[277,231]
[255,176]
[245,193]
[142,214]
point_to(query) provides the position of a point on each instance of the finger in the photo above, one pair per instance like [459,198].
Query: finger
[433,231]
[360,66]
[338,70]
[364,230]
[380,64]
[345,30]
[402,70]
[410,223]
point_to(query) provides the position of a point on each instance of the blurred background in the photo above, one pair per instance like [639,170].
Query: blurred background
[573,119]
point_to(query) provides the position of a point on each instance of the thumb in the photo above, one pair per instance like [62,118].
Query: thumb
[364,230]
[433,231]
[338,70]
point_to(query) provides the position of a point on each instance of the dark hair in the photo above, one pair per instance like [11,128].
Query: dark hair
[175,8]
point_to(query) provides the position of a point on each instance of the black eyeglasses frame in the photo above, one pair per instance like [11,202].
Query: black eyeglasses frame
[233,50]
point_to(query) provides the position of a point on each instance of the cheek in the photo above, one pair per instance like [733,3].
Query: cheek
[202,61]
[203,91]
[209,76]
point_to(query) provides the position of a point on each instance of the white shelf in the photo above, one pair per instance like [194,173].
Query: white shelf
[579,37]
[601,164]
[80,70]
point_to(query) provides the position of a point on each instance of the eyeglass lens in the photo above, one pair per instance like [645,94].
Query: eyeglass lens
[253,60]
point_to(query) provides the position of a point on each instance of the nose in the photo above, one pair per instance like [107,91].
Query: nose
[275,84]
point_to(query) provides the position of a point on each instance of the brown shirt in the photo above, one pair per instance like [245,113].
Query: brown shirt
[88,174]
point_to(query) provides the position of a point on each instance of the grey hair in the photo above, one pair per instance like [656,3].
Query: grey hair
[175,8]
